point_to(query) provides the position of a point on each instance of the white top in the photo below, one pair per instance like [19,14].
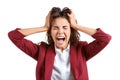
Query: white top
[61,68]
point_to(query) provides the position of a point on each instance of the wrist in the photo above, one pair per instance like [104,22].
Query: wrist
[45,28]
[75,26]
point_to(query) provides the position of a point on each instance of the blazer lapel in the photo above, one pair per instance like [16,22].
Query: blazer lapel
[73,57]
[49,62]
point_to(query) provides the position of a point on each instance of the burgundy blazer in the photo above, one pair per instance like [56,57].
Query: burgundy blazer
[44,54]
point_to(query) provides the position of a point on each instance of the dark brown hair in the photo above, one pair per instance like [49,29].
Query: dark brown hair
[56,12]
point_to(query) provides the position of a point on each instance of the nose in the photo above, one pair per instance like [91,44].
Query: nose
[60,31]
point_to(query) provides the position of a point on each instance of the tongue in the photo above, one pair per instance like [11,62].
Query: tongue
[60,41]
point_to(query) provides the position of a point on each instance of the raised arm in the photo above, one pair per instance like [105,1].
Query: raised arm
[27,46]
[94,47]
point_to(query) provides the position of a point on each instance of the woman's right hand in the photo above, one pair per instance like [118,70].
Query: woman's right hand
[47,23]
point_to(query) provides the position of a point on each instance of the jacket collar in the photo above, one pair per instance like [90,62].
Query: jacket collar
[49,62]
[73,57]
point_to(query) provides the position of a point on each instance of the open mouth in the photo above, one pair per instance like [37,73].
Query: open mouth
[60,39]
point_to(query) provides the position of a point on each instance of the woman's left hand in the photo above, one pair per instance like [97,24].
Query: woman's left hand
[73,21]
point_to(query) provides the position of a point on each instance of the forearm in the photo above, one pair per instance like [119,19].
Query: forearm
[29,31]
[89,31]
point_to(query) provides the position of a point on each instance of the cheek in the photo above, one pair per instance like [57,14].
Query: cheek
[53,33]
[68,33]
[68,36]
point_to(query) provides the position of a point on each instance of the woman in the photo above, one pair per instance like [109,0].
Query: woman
[64,56]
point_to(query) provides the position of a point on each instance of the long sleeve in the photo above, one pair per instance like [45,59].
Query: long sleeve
[100,42]
[25,45]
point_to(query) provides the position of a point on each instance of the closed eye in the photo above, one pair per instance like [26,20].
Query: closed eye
[65,27]
[55,27]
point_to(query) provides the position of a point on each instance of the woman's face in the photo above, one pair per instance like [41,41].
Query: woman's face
[60,32]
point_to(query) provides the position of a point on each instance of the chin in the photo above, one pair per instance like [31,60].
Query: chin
[63,46]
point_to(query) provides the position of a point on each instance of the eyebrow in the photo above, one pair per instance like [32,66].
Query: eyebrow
[54,26]
[62,26]
[65,26]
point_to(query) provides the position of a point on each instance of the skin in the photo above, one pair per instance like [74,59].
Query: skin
[60,32]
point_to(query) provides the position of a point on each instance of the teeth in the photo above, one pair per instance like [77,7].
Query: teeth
[60,37]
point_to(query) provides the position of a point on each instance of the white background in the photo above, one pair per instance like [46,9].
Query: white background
[15,65]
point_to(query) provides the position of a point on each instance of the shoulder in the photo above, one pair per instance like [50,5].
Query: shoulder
[44,45]
[82,43]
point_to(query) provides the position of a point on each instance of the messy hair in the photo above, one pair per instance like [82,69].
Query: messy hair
[56,12]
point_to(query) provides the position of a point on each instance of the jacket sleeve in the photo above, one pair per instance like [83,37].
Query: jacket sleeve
[100,42]
[25,45]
